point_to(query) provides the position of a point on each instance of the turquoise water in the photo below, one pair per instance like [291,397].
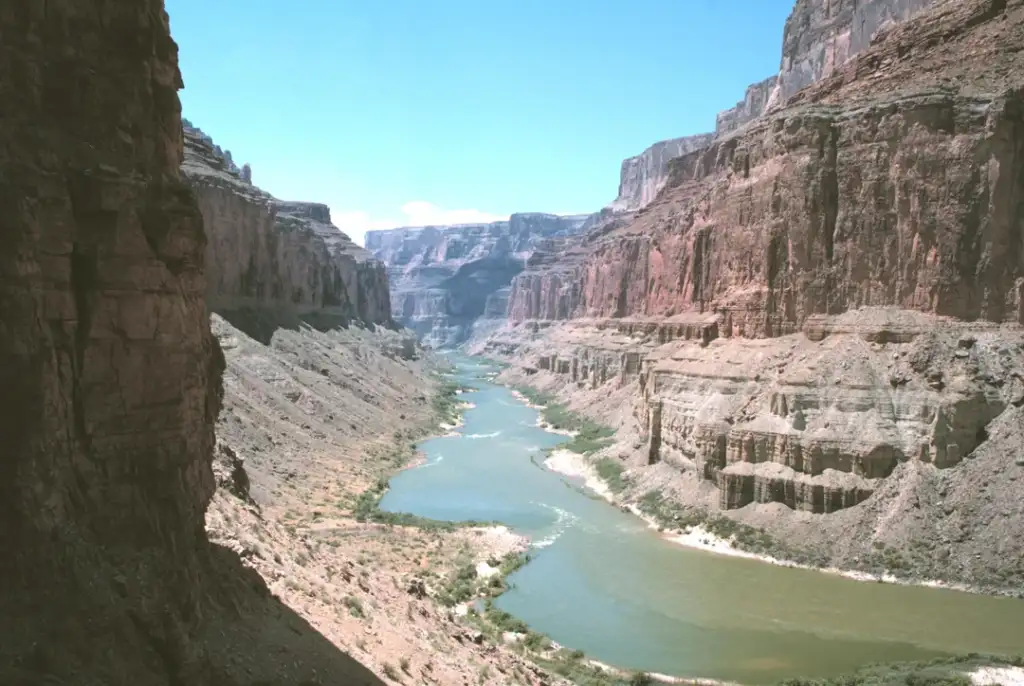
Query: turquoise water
[601,581]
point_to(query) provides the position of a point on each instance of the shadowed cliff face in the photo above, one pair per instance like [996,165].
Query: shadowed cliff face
[110,375]
[275,263]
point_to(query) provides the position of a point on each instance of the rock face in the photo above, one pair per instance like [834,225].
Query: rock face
[835,202]
[112,379]
[822,35]
[820,38]
[829,291]
[274,263]
[111,375]
[753,105]
[756,419]
[446,278]
[643,176]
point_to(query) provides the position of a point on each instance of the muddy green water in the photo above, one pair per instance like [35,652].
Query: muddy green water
[603,582]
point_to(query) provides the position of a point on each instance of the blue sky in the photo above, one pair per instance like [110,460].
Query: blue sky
[405,111]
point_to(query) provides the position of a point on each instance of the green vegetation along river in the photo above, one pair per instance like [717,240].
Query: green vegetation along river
[603,582]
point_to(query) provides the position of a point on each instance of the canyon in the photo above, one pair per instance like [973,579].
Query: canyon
[821,310]
[808,322]
[451,282]
[200,383]
[113,377]
[818,40]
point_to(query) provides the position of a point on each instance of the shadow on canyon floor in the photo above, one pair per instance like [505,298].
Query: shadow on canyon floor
[260,323]
[95,629]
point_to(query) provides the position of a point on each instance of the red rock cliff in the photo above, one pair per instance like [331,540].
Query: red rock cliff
[897,181]
[272,262]
[110,375]
[111,378]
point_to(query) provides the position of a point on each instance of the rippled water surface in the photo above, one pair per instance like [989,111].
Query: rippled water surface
[601,581]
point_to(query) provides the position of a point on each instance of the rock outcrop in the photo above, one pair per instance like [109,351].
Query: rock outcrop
[819,39]
[752,106]
[274,263]
[821,36]
[642,177]
[111,377]
[447,279]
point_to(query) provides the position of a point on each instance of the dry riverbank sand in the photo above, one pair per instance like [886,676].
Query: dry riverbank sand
[575,465]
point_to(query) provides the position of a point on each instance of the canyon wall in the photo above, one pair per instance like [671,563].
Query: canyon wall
[642,177]
[827,294]
[447,279]
[272,262]
[822,35]
[832,203]
[819,38]
[752,106]
[111,375]
[112,378]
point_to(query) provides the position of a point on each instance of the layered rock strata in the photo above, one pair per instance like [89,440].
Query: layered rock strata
[831,290]
[821,36]
[753,105]
[446,278]
[835,202]
[272,262]
[812,420]
[642,177]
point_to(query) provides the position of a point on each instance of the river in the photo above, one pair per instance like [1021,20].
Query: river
[603,582]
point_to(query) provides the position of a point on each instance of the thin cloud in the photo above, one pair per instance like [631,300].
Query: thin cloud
[413,213]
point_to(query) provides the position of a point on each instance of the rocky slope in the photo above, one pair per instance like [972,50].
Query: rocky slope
[446,278]
[822,310]
[274,263]
[112,378]
[310,421]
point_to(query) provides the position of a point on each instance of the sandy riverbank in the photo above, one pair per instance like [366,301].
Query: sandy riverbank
[541,424]
[575,465]
[522,398]
[494,542]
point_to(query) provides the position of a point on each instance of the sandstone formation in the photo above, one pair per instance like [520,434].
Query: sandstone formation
[752,106]
[112,379]
[274,263]
[642,177]
[821,36]
[835,202]
[826,293]
[446,278]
